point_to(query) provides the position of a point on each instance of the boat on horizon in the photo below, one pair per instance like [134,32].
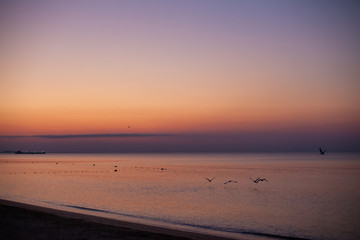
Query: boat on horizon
[24,152]
[29,152]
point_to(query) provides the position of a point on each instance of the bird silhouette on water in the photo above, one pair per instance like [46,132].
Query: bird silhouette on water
[230,181]
[210,180]
[322,152]
[259,180]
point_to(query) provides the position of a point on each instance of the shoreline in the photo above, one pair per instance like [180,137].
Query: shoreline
[29,221]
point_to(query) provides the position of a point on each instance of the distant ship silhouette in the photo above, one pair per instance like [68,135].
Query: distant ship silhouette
[27,152]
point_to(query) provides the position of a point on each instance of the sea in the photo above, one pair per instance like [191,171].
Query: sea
[303,196]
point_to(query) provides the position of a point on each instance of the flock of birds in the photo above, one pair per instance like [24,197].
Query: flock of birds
[233,181]
[83,171]
[257,180]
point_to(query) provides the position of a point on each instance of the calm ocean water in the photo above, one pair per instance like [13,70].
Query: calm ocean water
[308,196]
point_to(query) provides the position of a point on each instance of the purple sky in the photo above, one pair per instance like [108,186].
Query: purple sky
[185,75]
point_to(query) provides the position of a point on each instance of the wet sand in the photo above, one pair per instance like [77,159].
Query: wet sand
[23,221]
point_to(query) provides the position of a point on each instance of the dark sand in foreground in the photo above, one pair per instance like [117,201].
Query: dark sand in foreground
[23,221]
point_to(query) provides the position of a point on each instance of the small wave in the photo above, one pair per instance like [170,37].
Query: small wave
[245,232]
[85,208]
[109,212]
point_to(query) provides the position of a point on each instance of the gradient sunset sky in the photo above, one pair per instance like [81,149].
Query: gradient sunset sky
[184,75]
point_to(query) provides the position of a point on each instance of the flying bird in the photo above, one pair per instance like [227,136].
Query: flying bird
[230,181]
[262,179]
[210,180]
[255,181]
[322,152]
[259,180]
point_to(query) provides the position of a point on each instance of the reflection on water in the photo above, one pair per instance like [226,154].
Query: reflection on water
[307,196]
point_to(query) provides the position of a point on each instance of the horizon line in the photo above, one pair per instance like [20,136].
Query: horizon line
[92,135]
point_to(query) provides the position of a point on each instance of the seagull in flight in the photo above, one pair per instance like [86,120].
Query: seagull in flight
[259,180]
[210,180]
[322,152]
[230,181]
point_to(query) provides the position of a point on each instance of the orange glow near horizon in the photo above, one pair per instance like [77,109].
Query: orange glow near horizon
[69,72]
[192,120]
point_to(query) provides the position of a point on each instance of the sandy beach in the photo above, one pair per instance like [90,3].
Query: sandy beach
[23,221]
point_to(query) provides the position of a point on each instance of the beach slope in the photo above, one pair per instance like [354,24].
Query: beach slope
[23,221]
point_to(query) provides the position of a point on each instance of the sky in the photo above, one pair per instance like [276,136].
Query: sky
[179,76]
